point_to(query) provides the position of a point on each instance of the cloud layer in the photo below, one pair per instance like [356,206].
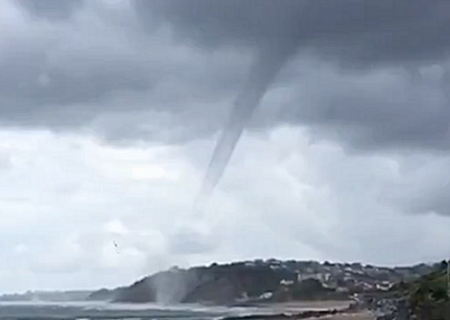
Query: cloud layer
[373,70]
[111,109]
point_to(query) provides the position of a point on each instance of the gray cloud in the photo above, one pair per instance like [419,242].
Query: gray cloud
[5,161]
[354,32]
[51,9]
[423,186]
[96,66]
[396,37]
[380,109]
[188,241]
[51,80]
[99,67]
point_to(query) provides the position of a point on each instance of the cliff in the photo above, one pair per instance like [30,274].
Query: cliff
[259,281]
[217,284]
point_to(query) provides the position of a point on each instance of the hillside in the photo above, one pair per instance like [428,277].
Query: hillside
[426,298]
[260,281]
[429,297]
[216,284]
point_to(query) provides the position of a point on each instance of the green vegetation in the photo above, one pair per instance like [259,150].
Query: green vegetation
[429,298]
[428,295]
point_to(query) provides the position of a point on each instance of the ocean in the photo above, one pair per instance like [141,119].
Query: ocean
[104,311]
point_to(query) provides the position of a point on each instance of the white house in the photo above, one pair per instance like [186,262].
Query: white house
[322,277]
[286,282]
[266,295]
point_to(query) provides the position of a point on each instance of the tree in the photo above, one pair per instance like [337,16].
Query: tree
[443,265]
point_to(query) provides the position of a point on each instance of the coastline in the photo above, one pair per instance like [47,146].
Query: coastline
[306,310]
[290,311]
[360,315]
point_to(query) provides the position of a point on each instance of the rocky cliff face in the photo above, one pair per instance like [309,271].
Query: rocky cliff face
[215,284]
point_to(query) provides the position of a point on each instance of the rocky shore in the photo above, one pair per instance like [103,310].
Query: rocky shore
[390,309]
[401,309]
[307,314]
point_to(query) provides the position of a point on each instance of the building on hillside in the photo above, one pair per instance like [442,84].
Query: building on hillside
[274,262]
[266,295]
[275,267]
[322,277]
[286,282]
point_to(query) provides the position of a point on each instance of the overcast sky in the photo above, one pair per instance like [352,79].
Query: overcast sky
[110,111]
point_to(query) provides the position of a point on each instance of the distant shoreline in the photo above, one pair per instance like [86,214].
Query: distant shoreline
[308,312]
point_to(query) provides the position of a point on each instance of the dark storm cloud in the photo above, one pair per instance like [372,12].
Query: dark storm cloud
[58,75]
[354,32]
[59,78]
[396,38]
[25,81]
[51,9]
[385,110]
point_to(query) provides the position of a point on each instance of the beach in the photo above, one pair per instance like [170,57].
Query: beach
[361,315]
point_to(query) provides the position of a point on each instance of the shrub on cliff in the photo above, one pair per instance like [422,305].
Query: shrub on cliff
[429,298]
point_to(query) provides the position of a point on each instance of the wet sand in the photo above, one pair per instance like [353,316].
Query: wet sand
[362,315]
[298,307]
[309,305]
[332,310]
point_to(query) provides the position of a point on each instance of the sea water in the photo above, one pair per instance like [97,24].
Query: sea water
[103,310]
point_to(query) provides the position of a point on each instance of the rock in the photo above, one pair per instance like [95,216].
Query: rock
[390,309]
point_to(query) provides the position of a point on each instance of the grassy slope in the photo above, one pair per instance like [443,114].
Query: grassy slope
[427,295]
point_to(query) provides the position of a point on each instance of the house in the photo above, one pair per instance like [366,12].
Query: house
[286,282]
[316,276]
[266,295]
